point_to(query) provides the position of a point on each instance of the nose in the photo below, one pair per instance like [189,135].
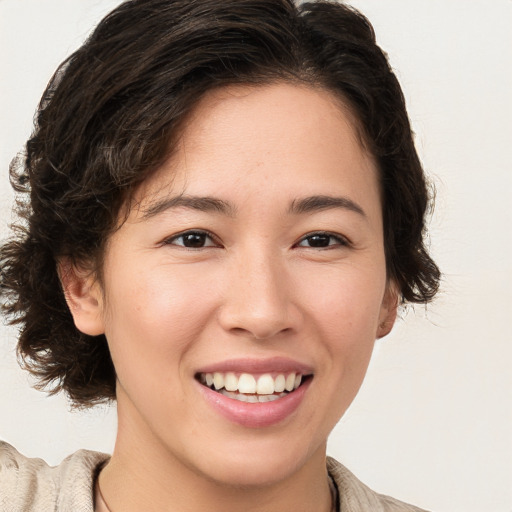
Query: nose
[258,300]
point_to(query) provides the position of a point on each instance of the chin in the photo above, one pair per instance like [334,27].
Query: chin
[257,464]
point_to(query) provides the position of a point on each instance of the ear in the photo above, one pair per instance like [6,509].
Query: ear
[84,297]
[388,310]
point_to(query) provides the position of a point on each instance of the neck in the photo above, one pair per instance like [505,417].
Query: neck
[143,475]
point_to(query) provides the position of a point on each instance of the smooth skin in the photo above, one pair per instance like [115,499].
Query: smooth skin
[255,272]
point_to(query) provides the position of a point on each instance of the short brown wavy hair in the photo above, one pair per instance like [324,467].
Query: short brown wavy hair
[108,118]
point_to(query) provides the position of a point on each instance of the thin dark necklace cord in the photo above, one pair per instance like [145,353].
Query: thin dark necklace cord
[103,499]
[335,497]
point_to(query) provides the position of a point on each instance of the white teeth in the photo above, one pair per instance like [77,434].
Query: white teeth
[251,398]
[268,398]
[290,382]
[230,394]
[279,384]
[265,385]
[247,384]
[230,382]
[218,380]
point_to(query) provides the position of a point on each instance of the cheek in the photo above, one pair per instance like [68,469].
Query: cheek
[346,307]
[347,302]
[153,318]
[343,318]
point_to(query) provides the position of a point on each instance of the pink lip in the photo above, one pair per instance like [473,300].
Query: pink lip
[255,415]
[257,366]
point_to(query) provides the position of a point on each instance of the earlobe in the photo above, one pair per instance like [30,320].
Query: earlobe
[388,312]
[83,296]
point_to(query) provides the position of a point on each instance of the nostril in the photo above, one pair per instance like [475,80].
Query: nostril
[260,332]
[258,313]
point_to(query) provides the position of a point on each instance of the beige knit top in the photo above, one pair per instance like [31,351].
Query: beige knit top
[30,485]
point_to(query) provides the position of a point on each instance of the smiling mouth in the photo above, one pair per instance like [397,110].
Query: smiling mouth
[246,387]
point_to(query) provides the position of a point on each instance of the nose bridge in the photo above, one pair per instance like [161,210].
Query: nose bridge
[257,298]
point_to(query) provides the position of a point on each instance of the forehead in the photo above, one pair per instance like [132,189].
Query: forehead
[248,140]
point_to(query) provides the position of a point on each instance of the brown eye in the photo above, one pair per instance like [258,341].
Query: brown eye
[322,240]
[192,240]
[319,240]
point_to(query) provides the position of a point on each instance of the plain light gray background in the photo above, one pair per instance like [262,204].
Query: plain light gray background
[433,422]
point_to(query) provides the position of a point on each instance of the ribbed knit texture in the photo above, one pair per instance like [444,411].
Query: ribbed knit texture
[30,485]
[357,497]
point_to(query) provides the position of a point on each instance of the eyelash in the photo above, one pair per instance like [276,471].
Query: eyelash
[192,232]
[339,240]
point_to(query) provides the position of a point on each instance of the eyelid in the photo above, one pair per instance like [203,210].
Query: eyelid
[170,239]
[343,240]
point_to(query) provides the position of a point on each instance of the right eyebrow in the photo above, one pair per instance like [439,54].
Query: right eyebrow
[200,203]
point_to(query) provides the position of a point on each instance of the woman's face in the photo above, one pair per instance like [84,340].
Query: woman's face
[253,256]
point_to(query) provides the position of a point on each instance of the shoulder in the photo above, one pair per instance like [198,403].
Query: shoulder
[29,484]
[357,497]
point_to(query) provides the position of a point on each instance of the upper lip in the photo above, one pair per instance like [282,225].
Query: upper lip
[257,366]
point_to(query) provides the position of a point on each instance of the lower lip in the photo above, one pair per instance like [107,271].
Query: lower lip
[255,415]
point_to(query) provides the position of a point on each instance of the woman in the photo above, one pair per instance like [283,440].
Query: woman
[224,209]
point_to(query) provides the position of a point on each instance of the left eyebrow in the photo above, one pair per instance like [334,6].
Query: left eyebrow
[318,203]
